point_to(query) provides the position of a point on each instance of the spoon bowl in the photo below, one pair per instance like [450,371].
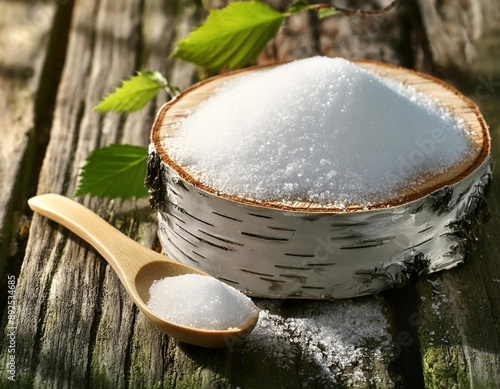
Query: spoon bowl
[136,266]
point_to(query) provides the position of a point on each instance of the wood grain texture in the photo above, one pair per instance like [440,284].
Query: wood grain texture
[104,47]
[76,327]
[52,355]
[24,39]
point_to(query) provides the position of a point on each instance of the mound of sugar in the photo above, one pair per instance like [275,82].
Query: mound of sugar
[320,129]
[200,302]
[327,341]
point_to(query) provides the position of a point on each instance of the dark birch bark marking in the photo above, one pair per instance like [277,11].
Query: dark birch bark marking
[300,278]
[362,246]
[227,217]
[353,224]
[179,184]
[345,237]
[198,254]
[321,264]
[256,273]
[182,252]
[314,287]
[425,229]
[228,280]
[291,267]
[263,237]
[170,214]
[196,218]
[221,239]
[225,248]
[257,215]
[281,229]
[271,280]
[172,191]
[156,181]
[419,244]
[184,238]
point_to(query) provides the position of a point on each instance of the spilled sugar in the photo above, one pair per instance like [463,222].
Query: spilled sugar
[200,302]
[319,129]
[330,342]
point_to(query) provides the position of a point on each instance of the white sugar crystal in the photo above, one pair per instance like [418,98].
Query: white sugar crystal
[319,129]
[325,337]
[200,302]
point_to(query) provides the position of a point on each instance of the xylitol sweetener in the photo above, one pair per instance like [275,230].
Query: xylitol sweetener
[321,130]
[200,302]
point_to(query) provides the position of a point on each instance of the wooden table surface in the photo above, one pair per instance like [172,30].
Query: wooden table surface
[74,325]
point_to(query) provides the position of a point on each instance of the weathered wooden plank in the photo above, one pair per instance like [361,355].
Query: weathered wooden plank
[80,328]
[459,338]
[57,326]
[459,309]
[24,39]
[143,361]
[68,330]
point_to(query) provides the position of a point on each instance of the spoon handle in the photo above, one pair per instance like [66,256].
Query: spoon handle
[118,249]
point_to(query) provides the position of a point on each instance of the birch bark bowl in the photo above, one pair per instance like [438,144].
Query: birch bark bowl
[305,250]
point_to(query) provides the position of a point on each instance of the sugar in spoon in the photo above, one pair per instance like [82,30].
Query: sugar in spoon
[137,267]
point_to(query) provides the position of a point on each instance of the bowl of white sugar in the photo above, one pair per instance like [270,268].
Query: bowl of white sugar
[320,178]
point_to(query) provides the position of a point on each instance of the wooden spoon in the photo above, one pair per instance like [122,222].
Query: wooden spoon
[136,265]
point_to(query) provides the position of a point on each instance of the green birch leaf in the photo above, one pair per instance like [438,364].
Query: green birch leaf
[231,37]
[116,171]
[134,93]
[324,12]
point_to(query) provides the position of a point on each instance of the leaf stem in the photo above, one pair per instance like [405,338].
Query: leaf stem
[359,12]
